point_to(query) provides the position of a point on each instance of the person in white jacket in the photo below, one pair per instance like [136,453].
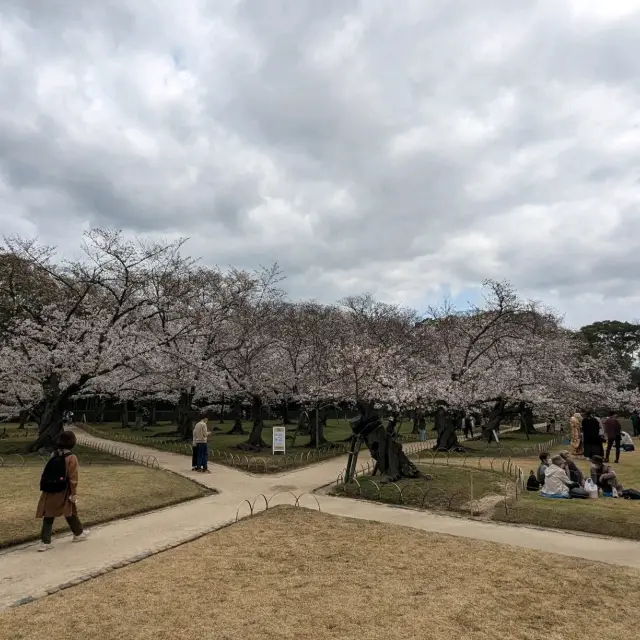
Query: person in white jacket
[200,437]
[557,483]
[556,480]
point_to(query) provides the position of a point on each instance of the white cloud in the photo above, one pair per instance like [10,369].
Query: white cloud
[363,148]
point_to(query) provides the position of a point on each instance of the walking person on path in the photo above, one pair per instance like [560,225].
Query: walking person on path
[201,435]
[613,431]
[59,485]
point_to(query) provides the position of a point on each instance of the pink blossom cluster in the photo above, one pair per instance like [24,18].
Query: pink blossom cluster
[135,321]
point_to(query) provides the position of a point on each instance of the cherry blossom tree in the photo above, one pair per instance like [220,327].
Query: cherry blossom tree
[247,357]
[95,324]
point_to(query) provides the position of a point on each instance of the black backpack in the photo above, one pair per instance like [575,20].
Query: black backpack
[532,482]
[54,475]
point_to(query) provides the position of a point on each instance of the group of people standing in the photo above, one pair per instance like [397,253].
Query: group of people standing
[589,435]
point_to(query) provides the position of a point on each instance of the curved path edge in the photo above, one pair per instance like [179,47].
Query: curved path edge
[26,575]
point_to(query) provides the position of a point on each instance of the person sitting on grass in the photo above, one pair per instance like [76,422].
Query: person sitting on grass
[557,483]
[607,480]
[545,461]
[59,485]
[626,442]
[572,469]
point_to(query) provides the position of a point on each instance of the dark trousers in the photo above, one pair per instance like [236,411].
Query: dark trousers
[194,456]
[203,455]
[610,442]
[47,527]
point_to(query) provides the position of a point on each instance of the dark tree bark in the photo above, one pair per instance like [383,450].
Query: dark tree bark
[526,420]
[419,422]
[391,461]
[221,421]
[237,429]
[184,413]
[100,411]
[124,414]
[495,418]
[446,430]
[255,441]
[24,416]
[316,433]
[50,410]
[151,417]
[303,422]
[285,413]
[139,416]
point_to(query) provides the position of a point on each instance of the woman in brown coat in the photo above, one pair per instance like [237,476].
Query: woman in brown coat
[55,505]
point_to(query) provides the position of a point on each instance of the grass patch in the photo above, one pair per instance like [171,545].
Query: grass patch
[513,443]
[106,491]
[604,516]
[448,488]
[468,589]
[223,446]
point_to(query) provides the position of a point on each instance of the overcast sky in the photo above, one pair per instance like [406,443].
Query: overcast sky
[408,148]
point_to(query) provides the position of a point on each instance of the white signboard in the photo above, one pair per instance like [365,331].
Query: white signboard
[279,439]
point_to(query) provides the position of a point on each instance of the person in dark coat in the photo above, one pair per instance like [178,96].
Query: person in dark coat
[572,469]
[613,431]
[591,436]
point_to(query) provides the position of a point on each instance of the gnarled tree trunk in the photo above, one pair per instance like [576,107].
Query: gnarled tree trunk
[526,419]
[495,418]
[316,431]
[255,441]
[49,413]
[184,415]
[151,416]
[237,429]
[139,415]
[391,461]
[124,414]
[446,430]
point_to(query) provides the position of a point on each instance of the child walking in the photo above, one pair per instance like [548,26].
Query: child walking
[59,485]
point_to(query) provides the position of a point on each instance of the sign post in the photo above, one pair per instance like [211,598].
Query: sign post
[279,440]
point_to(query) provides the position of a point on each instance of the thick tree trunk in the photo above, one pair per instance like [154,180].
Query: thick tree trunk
[495,418]
[184,417]
[49,412]
[49,415]
[50,426]
[391,461]
[139,422]
[24,416]
[419,422]
[237,429]
[526,420]
[124,414]
[303,422]
[255,441]
[316,432]
[152,420]
[285,413]
[100,411]
[446,430]
[221,421]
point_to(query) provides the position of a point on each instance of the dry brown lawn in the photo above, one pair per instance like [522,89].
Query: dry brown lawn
[105,492]
[293,573]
